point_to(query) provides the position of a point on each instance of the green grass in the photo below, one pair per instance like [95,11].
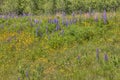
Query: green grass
[59,56]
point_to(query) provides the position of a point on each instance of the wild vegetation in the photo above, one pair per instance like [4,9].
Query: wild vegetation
[53,6]
[74,44]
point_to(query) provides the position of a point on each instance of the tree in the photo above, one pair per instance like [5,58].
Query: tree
[54,7]
[20,7]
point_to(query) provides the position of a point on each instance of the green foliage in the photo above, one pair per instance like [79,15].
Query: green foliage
[53,6]
[64,54]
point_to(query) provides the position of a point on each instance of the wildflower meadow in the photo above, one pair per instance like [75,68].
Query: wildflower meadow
[74,45]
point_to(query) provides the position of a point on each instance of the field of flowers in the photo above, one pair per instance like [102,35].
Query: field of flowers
[60,47]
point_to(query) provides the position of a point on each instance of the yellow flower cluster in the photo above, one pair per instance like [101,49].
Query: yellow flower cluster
[23,40]
[16,40]
[86,24]
[6,36]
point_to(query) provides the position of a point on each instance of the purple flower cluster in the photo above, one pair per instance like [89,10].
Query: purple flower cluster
[67,23]
[98,55]
[27,75]
[36,21]
[78,57]
[57,27]
[73,14]
[18,78]
[105,17]
[105,57]
[56,21]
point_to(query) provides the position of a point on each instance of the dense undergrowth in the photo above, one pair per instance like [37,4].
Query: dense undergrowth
[60,48]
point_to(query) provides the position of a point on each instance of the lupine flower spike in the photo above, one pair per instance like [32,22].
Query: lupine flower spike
[78,57]
[73,14]
[55,21]
[27,75]
[18,78]
[105,17]
[57,27]
[105,57]
[67,23]
[36,21]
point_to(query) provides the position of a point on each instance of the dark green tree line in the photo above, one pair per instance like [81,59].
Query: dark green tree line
[52,6]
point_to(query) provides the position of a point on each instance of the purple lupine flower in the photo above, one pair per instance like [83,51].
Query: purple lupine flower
[16,16]
[18,78]
[24,14]
[12,16]
[29,14]
[105,57]
[1,16]
[5,16]
[78,57]
[57,27]
[73,14]
[97,54]
[55,21]
[27,74]
[105,16]
[67,23]
[36,21]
